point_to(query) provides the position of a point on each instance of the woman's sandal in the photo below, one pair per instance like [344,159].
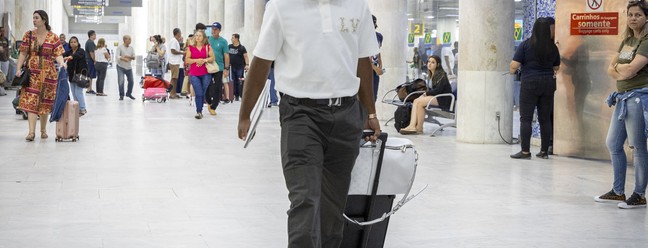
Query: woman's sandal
[407,131]
[43,135]
[30,137]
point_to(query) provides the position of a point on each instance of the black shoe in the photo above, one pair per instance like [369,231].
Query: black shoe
[521,155]
[635,201]
[550,150]
[131,97]
[91,92]
[542,154]
[121,98]
[237,99]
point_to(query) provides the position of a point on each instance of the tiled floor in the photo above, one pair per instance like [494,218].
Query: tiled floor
[150,175]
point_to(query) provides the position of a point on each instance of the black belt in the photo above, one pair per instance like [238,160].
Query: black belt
[330,102]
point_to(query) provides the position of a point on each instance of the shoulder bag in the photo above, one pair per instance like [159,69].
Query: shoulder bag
[81,80]
[212,67]
[23,80]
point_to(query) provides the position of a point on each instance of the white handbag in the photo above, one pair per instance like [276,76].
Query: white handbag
[396,175]
[398,168]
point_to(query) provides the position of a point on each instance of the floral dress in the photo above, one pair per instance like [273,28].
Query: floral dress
[39,97]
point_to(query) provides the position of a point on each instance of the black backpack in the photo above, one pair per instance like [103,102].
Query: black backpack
[402,117]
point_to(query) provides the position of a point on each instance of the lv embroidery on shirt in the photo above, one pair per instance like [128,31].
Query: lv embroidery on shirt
[354,22]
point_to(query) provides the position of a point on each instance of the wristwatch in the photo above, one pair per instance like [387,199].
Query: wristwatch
[372,116]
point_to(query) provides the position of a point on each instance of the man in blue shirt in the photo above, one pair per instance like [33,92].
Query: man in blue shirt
[221,54]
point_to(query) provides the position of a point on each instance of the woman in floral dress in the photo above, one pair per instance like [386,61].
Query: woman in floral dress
[37,99]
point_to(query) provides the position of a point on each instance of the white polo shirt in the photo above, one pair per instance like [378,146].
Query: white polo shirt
[174,59]
[316,45]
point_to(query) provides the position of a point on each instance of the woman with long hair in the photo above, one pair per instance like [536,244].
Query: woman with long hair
[539,58]
[629,69]
[198,54]
[44,47]
[102,57]
[438,83]
[76,63]
[160,49]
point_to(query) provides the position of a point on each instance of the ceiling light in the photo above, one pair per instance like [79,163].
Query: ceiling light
[410,19]
[430,17]
[449,8]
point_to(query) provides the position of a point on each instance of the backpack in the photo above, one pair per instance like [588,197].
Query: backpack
[405,89]
[153,60]
[402,117]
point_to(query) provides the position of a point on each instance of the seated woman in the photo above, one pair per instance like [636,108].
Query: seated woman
[438,83]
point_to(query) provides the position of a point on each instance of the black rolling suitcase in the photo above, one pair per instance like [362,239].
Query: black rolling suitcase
[371,196]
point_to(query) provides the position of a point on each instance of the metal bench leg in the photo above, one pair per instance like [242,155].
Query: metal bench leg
[454,124]
[389,121]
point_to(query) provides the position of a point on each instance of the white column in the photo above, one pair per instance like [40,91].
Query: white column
[24,12]
[233,17]
[202,12]
[148,6]
[486,38]
[217,11]
[191,16]
[57,16]
[392,24]
[254,10]
[169,15]
[161,10]
[181,21]
[155,19]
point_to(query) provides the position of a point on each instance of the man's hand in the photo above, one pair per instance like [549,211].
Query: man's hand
[226,73]
[243,128]
[373,124]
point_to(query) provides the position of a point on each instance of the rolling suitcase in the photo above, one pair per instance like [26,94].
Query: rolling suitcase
[67,128]
[375,180]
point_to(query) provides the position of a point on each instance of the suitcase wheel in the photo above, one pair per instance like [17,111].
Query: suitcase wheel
[159,100]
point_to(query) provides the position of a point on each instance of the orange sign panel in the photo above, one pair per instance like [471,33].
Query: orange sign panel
[602,23]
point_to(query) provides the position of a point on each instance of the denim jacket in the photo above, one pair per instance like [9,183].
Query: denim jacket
[621,98]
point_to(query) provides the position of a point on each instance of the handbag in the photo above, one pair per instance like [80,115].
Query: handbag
[23,80]
[394,172]
[81,80]
[212,67]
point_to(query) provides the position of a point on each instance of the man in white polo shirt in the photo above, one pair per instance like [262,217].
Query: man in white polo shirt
[321,50]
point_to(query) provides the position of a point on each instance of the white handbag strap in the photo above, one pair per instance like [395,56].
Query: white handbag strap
[405,199]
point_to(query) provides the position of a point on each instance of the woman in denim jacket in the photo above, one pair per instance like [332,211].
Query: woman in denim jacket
[628,67]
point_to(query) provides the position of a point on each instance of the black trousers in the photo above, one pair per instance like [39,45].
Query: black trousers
[319,145]
[217,78]
[537,93]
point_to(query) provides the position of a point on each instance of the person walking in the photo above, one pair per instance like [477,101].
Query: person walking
[90,59]
[376,61]
[66,45]
[239,62]
[102,57]
[221,53]
[125,54]
[629,69]
[539,58]
[175,61]
[323,54]
[4,58]
[44,48]
[76,63]
[197,55]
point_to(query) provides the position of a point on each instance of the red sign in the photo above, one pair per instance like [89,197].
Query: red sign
[603,23]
